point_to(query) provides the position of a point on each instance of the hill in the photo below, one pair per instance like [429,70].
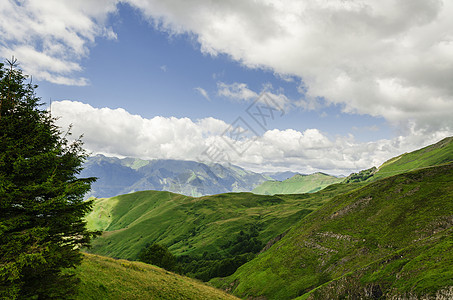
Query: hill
[297,184]
[205,228]
[390,238]
[107,278]
[121,176]
[432,155]
[189,225]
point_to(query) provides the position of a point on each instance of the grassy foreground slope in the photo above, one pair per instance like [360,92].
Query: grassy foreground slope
[106,278]
[360,242]
[297,184]
[192,226]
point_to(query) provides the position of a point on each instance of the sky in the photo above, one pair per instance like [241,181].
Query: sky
[335,86]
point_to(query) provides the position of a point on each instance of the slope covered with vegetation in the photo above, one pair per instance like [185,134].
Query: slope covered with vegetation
[432,155]
[208,228]
[390,237]
[107,278]
[423,270]
[297,184]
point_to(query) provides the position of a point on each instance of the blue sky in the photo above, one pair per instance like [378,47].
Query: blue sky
[150,73]
[168,79]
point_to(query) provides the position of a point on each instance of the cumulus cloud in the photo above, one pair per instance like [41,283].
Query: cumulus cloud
[119,133]
[50,37]
[390,58]
[387,58]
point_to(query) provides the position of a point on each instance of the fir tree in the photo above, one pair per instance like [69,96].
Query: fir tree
[41,200]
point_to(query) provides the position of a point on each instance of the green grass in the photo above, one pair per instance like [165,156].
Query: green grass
[297,184]
[106,278]
[191,226]
[420,270]
[433,155]
[356,240]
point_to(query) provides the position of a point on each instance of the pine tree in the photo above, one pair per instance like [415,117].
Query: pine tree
[41,200]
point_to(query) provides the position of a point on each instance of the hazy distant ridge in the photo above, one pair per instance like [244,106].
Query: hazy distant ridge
[121,176]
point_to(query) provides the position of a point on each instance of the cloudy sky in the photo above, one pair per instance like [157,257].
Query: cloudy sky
[322,85]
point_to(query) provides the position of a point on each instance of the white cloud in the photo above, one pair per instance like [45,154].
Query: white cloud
[50,37]
[119,133]
[237,91]
[387,58]
[203,93]
[241,92]
[390,58]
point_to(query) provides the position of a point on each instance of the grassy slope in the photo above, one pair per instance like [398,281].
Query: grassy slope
[365,227]
[433,155]
[106,278]
[193,225]
[297,184]
[421,270]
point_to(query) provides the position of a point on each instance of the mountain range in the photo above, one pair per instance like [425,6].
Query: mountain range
[382,233]
[121,176]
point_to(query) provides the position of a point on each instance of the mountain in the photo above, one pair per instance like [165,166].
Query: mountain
[389,239]
[297,184]
[121,176]
[107,278]
[280,176]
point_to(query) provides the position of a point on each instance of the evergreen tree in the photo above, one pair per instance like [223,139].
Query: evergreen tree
[158,255]
[41,199]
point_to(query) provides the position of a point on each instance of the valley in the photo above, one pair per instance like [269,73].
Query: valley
[364,235]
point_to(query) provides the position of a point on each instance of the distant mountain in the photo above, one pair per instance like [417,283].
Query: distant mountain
[297,184]
[121,176]
[280,176]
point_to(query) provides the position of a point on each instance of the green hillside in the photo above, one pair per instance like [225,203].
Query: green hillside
[432,155]
[192,226]
[297,184]
[107,278]
[391,237]
[422,270]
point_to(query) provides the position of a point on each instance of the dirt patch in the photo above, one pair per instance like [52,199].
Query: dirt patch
[359,204]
